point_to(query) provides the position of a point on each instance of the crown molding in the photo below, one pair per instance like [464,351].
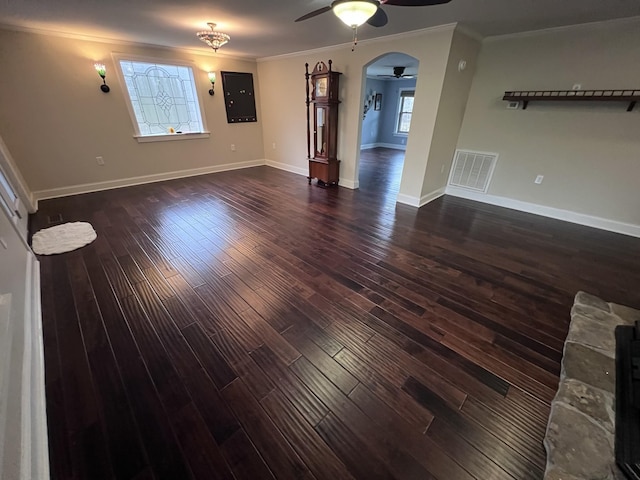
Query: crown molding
[386,38]
[120,42]
[469,32]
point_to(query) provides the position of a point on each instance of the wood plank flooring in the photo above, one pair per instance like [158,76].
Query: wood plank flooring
[246,325]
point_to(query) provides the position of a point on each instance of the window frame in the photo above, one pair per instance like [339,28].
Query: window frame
[399,112]
[117,57]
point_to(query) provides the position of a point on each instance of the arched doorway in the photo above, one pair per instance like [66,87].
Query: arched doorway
[389,89]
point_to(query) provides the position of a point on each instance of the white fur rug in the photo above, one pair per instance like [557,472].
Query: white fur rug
[63,238]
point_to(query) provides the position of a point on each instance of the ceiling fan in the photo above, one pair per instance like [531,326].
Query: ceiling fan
[356,12]
[398,72]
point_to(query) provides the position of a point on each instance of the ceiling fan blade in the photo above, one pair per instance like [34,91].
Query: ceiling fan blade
[313,14]
[379,19]
[414,3]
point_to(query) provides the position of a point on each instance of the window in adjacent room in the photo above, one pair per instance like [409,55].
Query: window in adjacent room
[163,99]
[404,111]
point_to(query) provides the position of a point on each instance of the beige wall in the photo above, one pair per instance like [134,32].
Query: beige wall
[455,92]
[55,120]
[282,92]
[589,154]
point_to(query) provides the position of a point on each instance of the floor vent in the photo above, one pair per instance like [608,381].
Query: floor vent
[57,218]
[472,170]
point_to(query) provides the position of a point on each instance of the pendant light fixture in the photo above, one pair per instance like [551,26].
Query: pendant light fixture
[212,37]
[355,12]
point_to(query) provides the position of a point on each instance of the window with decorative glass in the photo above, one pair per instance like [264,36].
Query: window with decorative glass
[405,109]
[163,99]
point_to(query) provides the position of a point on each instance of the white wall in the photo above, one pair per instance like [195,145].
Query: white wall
[451,109]
[282,89]
[55,120]
[23,427]
[588,153]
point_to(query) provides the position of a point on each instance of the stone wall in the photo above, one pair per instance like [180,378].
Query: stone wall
[580,432]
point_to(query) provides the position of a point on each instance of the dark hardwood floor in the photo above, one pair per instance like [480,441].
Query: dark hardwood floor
[247,325]
[380,171]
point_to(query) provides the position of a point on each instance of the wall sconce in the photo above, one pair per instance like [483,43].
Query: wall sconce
[102,71]
[212,79]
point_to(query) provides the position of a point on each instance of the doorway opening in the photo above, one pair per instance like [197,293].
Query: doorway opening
[387,109]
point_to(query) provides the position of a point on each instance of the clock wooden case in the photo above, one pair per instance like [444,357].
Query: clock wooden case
[324,85]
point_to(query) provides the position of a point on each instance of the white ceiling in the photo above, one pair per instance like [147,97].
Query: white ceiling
[261,28]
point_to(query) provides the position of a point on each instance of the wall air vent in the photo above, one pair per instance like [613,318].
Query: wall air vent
[472,170]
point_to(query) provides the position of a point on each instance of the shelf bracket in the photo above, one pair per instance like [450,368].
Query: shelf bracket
[631,105]
[524,104]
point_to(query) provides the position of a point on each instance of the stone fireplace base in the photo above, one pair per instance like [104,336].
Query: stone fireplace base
[580,433]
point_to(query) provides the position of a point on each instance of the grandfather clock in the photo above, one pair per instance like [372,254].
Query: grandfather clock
[324,164]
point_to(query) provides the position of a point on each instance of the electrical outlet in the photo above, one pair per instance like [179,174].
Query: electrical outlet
[513,105]
[233,147]
[100,161]
[539,179]
[577,86]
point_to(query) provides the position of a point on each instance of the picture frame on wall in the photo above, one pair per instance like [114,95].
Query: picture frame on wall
[239,97]
[377,105]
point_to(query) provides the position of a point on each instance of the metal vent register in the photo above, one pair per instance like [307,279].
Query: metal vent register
[472,170]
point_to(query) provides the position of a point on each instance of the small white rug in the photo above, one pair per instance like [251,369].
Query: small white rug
[63,238]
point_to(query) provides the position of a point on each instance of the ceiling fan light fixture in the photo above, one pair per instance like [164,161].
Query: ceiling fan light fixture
[355,12]
[212,37]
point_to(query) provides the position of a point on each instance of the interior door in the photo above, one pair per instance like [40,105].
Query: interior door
[9,200]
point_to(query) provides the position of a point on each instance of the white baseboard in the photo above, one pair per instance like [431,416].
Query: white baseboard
[395,146]
[288,168]
[431,196]
[349,183]
[305,172]
[128,182]
[423,200]
[551,212]
[34,420]
[6,381]
[408,200]
[23,428]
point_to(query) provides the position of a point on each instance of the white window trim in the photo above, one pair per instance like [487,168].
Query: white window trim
[163,61]
[398,106]
[170,137]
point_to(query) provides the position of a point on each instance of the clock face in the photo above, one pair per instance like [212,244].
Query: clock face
[321,87]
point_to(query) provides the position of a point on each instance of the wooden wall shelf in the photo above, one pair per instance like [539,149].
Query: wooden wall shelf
[616,95]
